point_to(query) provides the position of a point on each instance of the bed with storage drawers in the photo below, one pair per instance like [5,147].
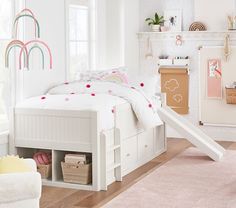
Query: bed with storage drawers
[109,121]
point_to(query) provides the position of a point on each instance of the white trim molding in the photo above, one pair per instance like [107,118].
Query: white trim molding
[188,35]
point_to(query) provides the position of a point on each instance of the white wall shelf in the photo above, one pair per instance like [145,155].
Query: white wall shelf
[188,35]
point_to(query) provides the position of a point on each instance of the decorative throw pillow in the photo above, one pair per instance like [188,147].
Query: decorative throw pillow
[115,76]
[118,75]
[13,164]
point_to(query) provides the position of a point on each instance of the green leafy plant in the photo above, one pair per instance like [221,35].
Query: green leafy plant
[157,20]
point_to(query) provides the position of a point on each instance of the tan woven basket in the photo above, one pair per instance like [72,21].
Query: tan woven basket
[45,171]
[231,95]
[77,173]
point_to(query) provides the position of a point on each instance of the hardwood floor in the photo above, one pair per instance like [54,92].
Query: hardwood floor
[69,198]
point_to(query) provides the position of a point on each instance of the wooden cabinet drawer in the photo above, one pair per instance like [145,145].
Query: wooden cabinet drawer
[146,145]
[129,154]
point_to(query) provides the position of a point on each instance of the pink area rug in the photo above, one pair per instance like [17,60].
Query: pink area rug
[191,180]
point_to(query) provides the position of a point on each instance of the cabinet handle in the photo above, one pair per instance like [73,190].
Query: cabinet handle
[146,146]
[128,155]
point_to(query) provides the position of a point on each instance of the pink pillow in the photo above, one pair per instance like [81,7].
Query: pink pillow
[42,158]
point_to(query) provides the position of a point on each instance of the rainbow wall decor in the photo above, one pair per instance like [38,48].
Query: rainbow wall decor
[27,48]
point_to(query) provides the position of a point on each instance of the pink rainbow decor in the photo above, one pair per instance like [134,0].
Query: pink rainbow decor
[25,48]
[15,44]
[30,15]
[214,79]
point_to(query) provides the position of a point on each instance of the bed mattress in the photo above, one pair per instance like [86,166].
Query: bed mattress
[103,103]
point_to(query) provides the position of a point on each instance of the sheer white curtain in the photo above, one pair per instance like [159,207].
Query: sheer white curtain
[5,36]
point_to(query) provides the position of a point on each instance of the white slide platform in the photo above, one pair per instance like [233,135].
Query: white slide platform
[193,134]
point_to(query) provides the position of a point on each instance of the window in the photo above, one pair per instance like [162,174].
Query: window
[5,36]
[5,19]
[80,46]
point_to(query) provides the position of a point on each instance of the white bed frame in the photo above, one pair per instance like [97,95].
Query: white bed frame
[115,152]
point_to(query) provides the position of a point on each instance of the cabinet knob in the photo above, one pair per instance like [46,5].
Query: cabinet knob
[128,155]
[146,146]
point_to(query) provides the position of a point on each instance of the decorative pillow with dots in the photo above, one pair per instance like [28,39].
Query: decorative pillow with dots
[117,75]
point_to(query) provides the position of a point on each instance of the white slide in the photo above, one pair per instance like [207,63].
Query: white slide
[193,134]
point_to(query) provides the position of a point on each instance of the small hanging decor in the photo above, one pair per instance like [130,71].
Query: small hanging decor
[227,51]
[179,40]
[27,48]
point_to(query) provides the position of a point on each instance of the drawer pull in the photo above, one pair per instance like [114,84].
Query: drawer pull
[128,155]
[146,146]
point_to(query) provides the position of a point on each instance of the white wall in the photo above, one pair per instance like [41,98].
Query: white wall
[114,31]
[50,14]
[131,27]
[117,26]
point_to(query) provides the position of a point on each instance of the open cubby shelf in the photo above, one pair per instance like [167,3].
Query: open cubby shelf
[57,176]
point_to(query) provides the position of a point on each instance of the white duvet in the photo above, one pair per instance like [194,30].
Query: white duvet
[144,109]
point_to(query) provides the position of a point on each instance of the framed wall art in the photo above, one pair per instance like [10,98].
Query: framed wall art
[173,20]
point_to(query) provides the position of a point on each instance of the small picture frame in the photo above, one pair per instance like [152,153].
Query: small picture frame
[173,20]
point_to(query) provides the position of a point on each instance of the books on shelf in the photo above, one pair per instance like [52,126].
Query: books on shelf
[77,158]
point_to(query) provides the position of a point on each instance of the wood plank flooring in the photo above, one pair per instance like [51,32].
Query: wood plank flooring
[69,198]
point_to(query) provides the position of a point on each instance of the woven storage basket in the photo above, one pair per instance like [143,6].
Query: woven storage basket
[77,173]
[231,95]
[45,170]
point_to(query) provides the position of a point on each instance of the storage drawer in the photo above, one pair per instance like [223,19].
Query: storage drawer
[129,153]
[145,145]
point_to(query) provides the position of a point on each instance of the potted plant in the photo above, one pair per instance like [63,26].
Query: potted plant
[155,22]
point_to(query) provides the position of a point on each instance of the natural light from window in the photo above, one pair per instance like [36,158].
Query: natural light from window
[79,38]
[5,36]
[5,19]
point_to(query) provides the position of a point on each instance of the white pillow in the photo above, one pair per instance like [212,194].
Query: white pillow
[102,75]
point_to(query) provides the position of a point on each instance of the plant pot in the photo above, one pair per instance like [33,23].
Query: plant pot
[156,28]
[164,29]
